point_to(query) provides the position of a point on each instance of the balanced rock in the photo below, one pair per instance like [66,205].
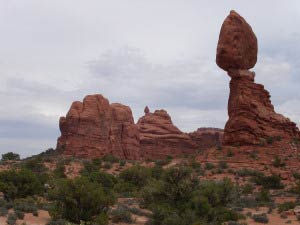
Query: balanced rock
[252,118]
[160,138]
[237,46]
[94,128]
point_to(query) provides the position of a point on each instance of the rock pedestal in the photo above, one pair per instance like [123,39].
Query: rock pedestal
[252,118]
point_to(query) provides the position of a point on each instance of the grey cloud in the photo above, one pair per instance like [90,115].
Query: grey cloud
[49,53]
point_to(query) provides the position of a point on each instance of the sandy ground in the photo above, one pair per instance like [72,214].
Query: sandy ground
[274,217]
[42,218]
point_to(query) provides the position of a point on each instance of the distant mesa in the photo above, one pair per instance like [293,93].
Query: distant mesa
[252,118]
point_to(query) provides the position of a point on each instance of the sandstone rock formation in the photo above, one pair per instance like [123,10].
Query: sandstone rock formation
[207,137]
[237,46]
[160,138]
[252,118]
[94,128]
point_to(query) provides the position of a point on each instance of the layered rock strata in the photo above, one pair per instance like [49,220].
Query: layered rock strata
[252,118]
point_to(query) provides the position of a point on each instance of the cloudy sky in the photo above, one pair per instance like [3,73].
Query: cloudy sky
[159,53]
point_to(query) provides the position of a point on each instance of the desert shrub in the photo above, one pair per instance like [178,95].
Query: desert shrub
[11,219]
[35,164]
[260,218]
[110,158]
[247,188]
[122,163]
[97,162]
[277,162]
[286,206]
[248,172]
[79,199]
[19,184]
[19,214]
[209,166]
[125,189]
[57,222]
[59,171]
[270,140]
[246,202]
[268,182]
[136,175]
[120,214]
[296,175]
[222,165]
[263,197]
[156,172]
[230,153]
[10,156]
[26,205]
[89,167]
[163,162]
[3,211]
[178,198]
[106,180]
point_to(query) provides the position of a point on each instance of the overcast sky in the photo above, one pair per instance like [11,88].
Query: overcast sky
[159,53]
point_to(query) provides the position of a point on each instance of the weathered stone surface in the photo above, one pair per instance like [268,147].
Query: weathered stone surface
[94,128]
[252,118]
[207,137]
[237,46]
[160,138]
[146,110]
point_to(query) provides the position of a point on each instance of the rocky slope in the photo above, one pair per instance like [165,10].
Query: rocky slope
[160,138]
[252,118]
[207,137]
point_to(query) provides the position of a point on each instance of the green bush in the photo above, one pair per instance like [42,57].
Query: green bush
[19,184]
[222,165]
[59,171]
[260,218]
[163,162]
[263,197]
[57,222]
[35,164]
[286,206]
[3,211]
[136,175]
[120,214]
[122,163]
[209,166]
[79,199]
[10,156]
[19,214]
[89,167]
[11,219]
[106,180]
[278,162]
[26,205]
[268,182]
[110,158]
[248,172]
